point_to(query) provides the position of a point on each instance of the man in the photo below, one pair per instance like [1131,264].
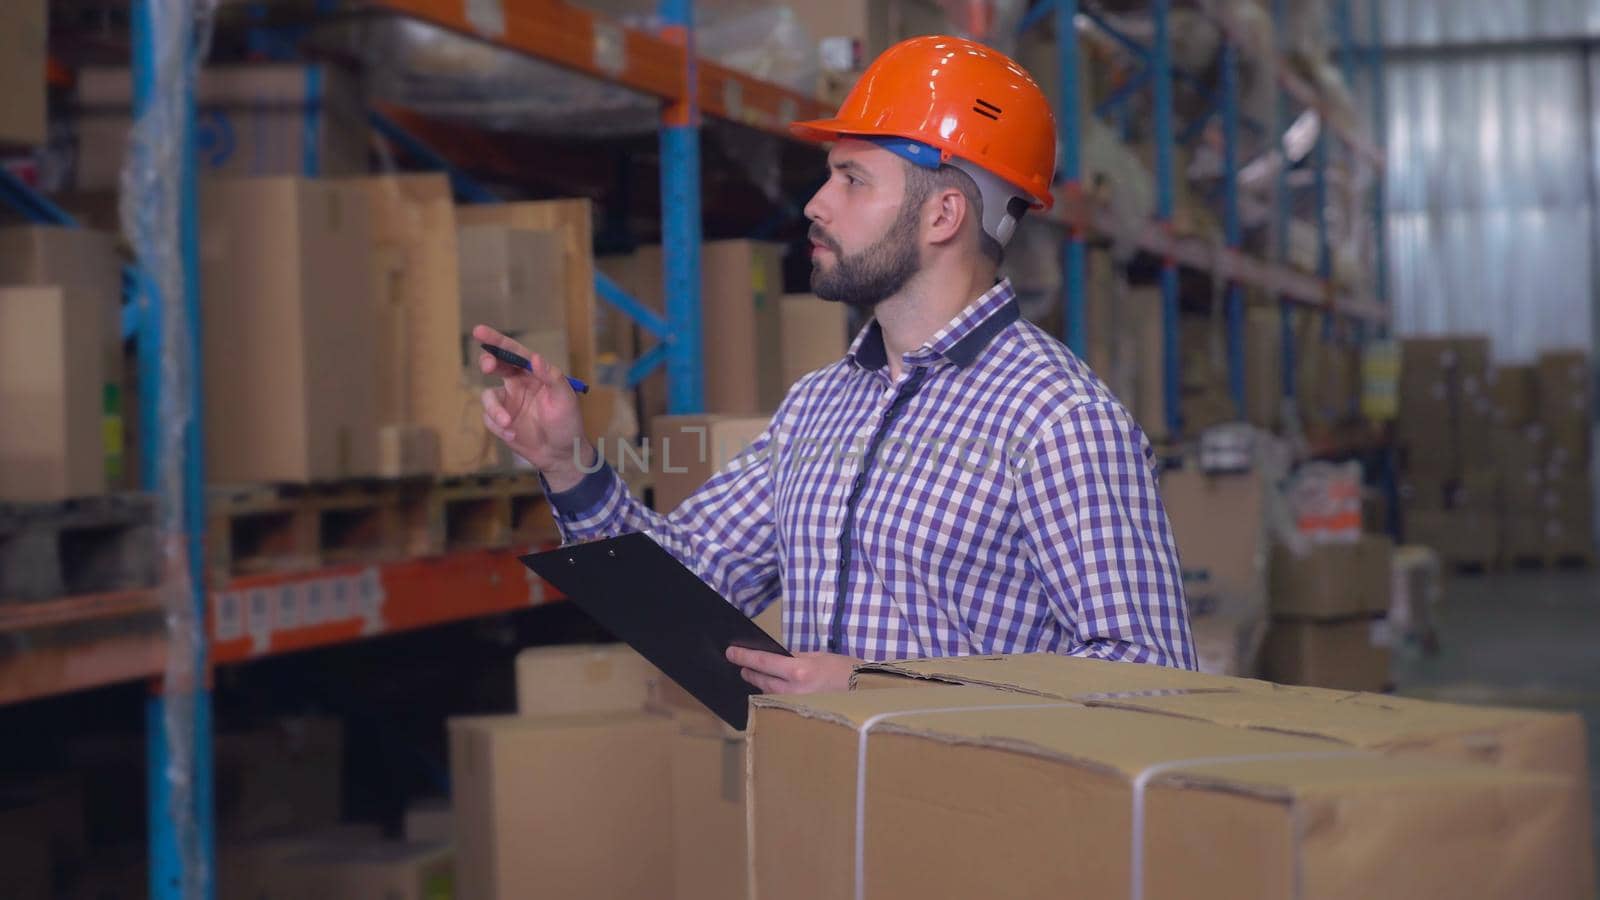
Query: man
[960,482]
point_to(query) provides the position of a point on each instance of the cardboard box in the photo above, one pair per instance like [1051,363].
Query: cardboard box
[506,279]
[1479,490]
[414,262]
[710,848]
[1517,739]
[685,451]
[28,851]
[287,774]
[1219,526]
[1461,537]
[429,821]
[1404,827]
[253,868]
[380,870]
[572,220]
[1347,655]
[1263,368]
[1515,394]
[24,46]
[254,119]
[50,381]
[407,450]
[814,334]
[288,291]
[583,678]
[741,283]
[85,265]
[1332,581]
[580,806]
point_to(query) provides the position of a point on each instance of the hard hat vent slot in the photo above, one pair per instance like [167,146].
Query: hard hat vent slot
[985,108]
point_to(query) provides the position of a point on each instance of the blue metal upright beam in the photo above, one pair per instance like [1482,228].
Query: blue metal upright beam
[1280,124]
[1073,249]
[1380,129]
[182,848]
[1161,76]
[1232,231]
[680,225]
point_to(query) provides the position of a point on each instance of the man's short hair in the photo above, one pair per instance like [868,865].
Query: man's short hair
[921,183]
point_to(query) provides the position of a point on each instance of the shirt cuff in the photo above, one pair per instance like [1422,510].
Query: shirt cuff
[583,499]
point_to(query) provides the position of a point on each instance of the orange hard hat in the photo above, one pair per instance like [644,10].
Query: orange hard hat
[967,101]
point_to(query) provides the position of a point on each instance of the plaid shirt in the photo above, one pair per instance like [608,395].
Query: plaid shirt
[994,499]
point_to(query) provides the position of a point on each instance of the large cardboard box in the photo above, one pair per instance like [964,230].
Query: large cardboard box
[1162,807]
[506,279]
[286,774]
[571,218]
[1514,393]
[379,870]
[1218,522]
[85,265]
[583,678]
[579,806]
[685,451]
[1348,654]
[51,386]
[1263,368]
[1518,739]
[813,334]
[25,847]
[291,380]
[414,266]
[741,283]
[1461,537]
[24,45]
[1566,407]
[429,821]
[709,842]
[253,868]
[254,119]
[1332,580]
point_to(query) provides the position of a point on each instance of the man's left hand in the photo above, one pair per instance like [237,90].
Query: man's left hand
[803,673]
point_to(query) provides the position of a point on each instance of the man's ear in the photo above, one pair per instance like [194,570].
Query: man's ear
[949,211]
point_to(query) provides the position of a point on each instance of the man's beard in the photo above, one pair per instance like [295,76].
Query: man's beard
[875,274]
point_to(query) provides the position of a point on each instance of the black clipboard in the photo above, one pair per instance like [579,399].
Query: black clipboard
[639,592]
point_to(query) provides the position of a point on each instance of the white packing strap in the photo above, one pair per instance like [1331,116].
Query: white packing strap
[861,767]
[1143,779]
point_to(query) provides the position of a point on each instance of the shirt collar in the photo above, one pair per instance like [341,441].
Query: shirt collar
[960,342]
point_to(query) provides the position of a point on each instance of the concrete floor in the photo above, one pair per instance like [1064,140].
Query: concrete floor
[1529,638]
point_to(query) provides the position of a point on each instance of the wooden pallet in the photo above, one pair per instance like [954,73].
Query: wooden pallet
[80,546]
[293,527]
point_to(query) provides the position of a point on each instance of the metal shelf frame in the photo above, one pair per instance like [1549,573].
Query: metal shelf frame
[1294,290]
[251,617]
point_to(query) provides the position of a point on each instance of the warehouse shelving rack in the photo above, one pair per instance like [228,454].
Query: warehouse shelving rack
[1081,218]
[250,617]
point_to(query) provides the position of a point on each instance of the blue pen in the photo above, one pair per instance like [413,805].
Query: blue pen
[521,362]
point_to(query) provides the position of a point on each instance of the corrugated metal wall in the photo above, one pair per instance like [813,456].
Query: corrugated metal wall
[1491,173]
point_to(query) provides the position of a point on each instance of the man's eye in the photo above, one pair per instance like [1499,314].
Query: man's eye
[852,180]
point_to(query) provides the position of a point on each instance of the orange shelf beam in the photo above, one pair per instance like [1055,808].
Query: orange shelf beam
[1074,209]
[82,642]
[595,45]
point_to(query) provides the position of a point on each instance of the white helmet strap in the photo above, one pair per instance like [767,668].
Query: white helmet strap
[1003,204]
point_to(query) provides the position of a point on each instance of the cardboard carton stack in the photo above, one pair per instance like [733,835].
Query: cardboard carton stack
[1564,382]
[256,119]
[1450,481]
[609,782]
[61,369]
[1329,605]
[1219,524]
[1179,785]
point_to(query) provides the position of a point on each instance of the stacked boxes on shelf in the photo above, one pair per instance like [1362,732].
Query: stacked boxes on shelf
[1449,487]
[1329,605]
